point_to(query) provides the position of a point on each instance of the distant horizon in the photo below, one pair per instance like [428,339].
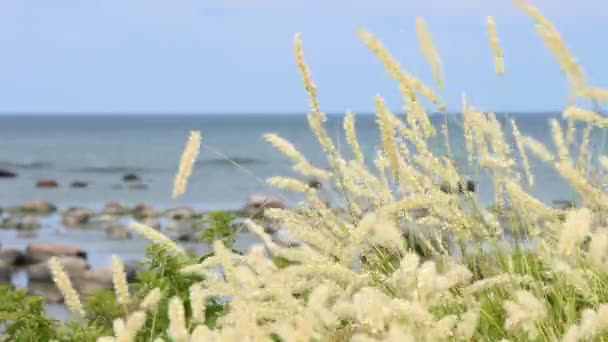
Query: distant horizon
[535,112]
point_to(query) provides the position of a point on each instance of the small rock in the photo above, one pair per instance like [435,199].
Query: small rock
[257,204]
[35,253]
[7,174]
[47,184]
[137,186]
[75,217]
[563,204]
[460,188]
[118,232]
[37,207]
[28,224]
[8,223]
[41,272]
[115,208]
[315,184]
[27,234]
[179,214]
[12,257]
[144,211]
[21,224]
[132,267]
[105,219]
[131,177]
[79,184]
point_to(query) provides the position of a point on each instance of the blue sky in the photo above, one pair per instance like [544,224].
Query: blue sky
[229,56]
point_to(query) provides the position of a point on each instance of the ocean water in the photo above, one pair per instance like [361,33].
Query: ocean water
[100,149]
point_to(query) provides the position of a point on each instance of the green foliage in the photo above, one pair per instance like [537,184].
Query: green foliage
[219,226]
[102,309]
[163,271]
[24,317]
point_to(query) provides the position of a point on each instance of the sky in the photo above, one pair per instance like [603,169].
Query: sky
[236,56]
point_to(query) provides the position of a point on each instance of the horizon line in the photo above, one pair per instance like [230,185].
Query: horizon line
[287,113]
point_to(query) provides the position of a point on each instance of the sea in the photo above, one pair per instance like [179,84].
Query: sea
[234,162]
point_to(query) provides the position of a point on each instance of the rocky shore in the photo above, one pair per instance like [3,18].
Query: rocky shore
[33,225]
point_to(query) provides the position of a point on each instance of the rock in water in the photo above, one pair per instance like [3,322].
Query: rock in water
[131,177]
[139,186]
[22,224]
[460,188]
[38,252]
[47,184]
[12,257]
[257,204]
[283,238]
[118,232]
[78,184]
[115,208]
[151,222]
[37,207]
[7,174]
[75,217]
[5,273]
[142,211]
[563,204]
[74,267]
[46,290]
[179,214]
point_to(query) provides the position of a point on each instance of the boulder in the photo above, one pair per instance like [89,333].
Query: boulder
[38,252]
[47,184]
[73,266]
[79,184]
[100,276]
[75,217]
[46,290]
[37,207]
[13,257]
[5,273]
[131,177]
[257,204]
[115,208]
[144,211]
[118,232]
[7,174]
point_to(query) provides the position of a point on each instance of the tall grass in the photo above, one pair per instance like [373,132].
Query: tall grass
[404,261]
